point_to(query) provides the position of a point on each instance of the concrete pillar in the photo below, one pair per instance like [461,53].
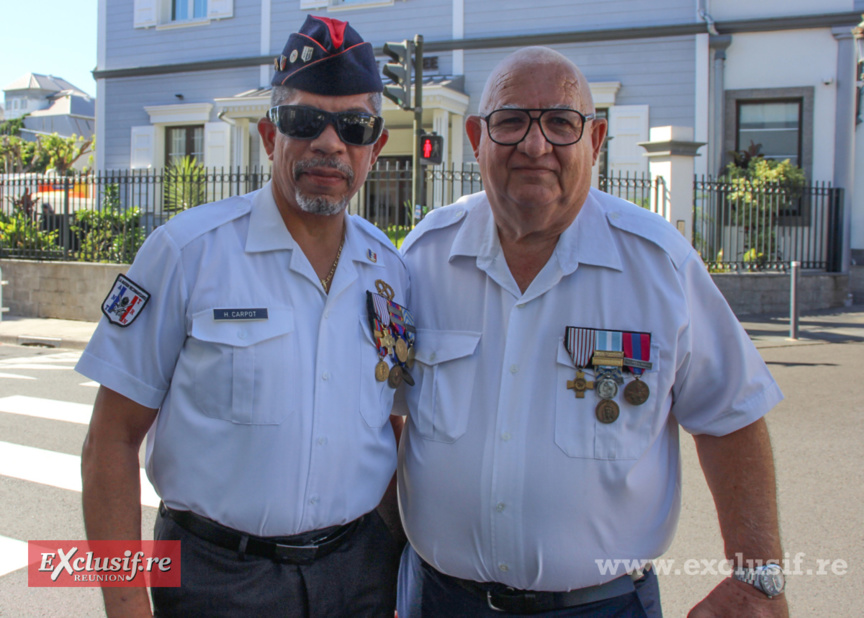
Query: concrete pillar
[844,131]
[671,154]
[441,126]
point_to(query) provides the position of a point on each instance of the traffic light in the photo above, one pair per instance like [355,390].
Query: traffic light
[399,71]
[431,149]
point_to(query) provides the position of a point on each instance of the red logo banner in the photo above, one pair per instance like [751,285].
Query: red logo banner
[75,564]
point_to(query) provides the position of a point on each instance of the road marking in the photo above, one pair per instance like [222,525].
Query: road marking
[47,408]
[46,359]
[93,384]
[15,376]
[55,469]
[13,555]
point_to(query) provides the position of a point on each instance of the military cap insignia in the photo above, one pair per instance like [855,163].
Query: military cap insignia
[307,53]
[293,57]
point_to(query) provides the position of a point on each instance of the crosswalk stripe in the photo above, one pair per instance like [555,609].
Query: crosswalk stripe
[47,408]
[13,555]
[55,469]
[15,376]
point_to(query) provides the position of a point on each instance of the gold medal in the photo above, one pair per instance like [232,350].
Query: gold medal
[394,379]
[579,384]
[606,411]
[382,370]
[407,378]
[401,350]
[384,289]
[409,362]
[636,393]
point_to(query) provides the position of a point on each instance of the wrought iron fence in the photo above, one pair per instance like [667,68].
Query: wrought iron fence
[765,226]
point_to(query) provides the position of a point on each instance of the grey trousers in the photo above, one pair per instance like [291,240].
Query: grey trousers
[358,579]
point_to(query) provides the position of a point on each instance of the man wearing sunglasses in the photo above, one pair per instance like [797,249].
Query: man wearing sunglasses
[563,336]
[239,341]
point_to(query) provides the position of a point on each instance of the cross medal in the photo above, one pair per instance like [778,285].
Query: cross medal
[579,385]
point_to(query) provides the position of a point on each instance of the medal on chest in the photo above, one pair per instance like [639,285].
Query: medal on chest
[394,334]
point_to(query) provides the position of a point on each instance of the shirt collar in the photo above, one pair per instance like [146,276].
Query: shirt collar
[588,240]
[267,231]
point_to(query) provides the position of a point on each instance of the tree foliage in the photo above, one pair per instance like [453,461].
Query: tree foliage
[185,185]
[47,152]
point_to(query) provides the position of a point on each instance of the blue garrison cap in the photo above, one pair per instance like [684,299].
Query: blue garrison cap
[328,57]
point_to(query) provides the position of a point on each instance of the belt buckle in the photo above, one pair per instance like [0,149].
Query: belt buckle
[296,554]
[491,604]
[519,603]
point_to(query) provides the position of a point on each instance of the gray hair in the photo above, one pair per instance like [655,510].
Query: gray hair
[280,94]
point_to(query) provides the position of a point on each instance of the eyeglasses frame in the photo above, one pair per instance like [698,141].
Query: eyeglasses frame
[532,119]
[331,119]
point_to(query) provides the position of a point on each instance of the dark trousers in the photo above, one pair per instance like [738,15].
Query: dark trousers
[426,593]
[357,579]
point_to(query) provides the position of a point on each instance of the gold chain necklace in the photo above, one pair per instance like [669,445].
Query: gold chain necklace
[325,283]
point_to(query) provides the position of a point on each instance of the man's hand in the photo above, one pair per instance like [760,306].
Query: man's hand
[734,598]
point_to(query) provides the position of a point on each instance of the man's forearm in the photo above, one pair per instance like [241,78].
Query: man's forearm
[739,468]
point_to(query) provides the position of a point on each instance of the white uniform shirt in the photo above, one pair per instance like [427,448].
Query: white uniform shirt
[504,474]
[274,426]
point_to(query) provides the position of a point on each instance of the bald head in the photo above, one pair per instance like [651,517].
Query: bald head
[505,77]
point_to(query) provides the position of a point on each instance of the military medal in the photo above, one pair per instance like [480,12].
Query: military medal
[637,352]
[606,411]
[394,379]
[579,343]
[394,334]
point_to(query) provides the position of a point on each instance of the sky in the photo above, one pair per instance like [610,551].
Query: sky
[52,37]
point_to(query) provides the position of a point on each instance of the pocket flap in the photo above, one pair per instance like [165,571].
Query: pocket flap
[564,357]
[242,333]
[439,346]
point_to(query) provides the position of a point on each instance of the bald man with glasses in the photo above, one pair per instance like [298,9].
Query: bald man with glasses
[563,337]
[252,342]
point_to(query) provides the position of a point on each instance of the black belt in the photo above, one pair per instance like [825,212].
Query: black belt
[300,549]
[502,598]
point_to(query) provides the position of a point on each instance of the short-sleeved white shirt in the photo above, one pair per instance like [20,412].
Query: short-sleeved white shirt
[272,426]
[504,475]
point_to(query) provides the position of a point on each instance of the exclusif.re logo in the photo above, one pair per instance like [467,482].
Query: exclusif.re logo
[103,563]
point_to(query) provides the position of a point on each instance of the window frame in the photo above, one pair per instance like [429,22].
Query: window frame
[189,141]
[742,102]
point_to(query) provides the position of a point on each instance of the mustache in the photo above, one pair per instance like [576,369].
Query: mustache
[303,166]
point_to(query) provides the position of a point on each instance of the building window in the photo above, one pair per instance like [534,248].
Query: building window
[181,10]
[182,142]
[780,119]
[774,126]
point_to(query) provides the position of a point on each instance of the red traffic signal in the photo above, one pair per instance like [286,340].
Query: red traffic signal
[431,149]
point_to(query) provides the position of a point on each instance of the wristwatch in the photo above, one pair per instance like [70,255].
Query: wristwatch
[768,579]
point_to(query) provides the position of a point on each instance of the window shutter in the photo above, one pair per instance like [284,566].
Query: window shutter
[144,13]
[143,140]
[216,144]
[628,125]
[220,9]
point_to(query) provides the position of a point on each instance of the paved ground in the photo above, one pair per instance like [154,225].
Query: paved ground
[818,439]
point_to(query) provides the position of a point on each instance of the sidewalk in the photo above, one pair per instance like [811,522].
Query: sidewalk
[842,325]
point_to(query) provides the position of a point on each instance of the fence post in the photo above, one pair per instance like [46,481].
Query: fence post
[793,300]
[670,153]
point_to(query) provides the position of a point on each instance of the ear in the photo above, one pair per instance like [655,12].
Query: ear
[378,146]
[268,135]
[475,131]
[599,126]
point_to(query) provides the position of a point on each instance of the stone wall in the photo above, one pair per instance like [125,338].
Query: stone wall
[65,290]
[76,290]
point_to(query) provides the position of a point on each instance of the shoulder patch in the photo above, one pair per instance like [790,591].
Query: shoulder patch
[125,301]
[436,219]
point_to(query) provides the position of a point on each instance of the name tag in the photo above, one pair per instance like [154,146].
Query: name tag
[240,314]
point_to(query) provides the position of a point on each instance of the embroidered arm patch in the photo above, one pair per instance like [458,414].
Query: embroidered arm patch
[125,301]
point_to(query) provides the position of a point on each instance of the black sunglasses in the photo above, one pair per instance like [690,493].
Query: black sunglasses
[301,122]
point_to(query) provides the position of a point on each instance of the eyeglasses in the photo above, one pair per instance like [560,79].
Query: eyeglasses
[301,122]
[560,127]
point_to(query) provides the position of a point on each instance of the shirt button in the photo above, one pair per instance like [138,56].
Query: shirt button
[325,376]
[326,315]
[514,368]
[432,356]
[313,500]
[503,567]
[322,441]
[241,334]
[520,306]
[505,436]
[500,507]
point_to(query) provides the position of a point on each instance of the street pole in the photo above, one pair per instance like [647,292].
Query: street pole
[793,300]
[416,173]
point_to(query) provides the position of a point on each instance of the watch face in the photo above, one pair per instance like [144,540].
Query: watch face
[771,579]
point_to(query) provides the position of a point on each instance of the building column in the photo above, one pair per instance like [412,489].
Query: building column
[844,131]
[441,126]
[671,154]
[716,104]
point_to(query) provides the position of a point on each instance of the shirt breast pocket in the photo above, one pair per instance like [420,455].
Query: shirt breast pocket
[376,398]
[578,432]
[445,372]
[241,368]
